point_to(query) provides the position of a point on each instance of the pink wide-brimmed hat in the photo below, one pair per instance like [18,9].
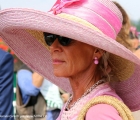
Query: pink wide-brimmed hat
[95,22]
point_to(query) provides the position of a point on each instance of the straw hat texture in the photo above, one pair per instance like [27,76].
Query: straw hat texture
[95,22]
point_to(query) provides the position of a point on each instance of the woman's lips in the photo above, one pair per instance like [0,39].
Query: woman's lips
[57,61]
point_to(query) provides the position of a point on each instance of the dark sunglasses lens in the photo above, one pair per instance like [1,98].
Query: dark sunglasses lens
[64,41]
[49,38]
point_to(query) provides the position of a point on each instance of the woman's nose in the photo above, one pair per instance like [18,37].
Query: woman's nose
[56,46]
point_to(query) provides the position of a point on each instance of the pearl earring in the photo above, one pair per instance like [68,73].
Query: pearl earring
[96,61]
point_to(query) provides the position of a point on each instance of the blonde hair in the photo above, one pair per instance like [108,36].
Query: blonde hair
[104,66]
[123,35]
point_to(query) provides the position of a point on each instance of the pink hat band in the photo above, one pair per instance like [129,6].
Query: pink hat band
[94,12]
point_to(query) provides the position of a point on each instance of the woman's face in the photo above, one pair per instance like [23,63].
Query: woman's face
[71,60]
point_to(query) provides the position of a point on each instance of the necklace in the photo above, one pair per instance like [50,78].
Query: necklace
[87,92]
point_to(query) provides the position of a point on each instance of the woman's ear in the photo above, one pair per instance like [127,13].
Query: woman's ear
[98,53]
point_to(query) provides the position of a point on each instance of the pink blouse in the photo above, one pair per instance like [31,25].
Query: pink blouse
[97,112]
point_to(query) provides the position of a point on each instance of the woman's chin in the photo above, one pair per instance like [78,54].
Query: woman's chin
[60,74]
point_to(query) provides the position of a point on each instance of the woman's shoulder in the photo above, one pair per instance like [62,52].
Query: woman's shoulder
[102,112]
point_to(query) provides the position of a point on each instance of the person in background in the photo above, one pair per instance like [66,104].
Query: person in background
[29,100]
[128,37]
[35,84]
[51,93]
[17,65]
[123,36]
[6,85]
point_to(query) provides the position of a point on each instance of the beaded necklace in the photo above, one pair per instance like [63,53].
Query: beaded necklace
[85,93]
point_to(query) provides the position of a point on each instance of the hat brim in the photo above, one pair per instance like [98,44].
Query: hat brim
[15,23]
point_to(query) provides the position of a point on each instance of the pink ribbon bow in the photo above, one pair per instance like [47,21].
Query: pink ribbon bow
[57,8]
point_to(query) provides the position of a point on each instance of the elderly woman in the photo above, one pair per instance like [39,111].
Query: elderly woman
[73,45]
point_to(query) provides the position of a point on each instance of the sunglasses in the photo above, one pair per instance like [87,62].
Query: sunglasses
[50,38]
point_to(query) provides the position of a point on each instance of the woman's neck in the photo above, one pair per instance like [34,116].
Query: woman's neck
[71,102]
[83,81]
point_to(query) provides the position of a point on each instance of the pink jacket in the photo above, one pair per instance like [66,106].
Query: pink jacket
[97,112]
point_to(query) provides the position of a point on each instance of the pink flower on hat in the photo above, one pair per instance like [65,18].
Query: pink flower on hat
[62,4]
